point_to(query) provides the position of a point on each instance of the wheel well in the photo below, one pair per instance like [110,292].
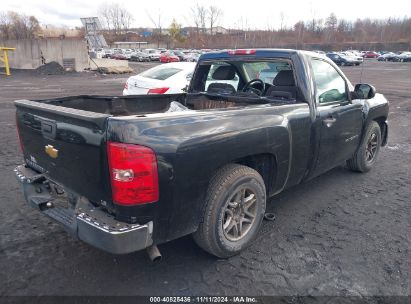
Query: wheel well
[265,165]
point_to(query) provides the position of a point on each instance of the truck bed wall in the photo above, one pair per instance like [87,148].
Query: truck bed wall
[149,104]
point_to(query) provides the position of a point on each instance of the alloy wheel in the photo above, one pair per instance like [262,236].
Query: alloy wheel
[371,149]
[239,214]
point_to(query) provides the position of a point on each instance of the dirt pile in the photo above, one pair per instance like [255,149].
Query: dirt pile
[51,68]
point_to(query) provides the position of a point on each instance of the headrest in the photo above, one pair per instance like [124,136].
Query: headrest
[284,78]
[223,88]
[224,72]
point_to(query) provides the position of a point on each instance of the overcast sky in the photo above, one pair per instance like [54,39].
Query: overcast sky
[237,14]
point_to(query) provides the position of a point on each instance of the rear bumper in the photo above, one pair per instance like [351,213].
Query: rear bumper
[82,219]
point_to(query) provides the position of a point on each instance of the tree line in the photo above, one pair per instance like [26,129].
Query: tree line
[116,22]
[331,33]
[18,26]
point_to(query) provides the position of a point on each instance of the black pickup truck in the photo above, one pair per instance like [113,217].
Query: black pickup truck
[128,173]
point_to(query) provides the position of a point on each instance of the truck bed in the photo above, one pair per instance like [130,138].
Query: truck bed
[77,128]
[149,104]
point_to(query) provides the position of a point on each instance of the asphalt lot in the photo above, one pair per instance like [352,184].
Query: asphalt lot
[340,234]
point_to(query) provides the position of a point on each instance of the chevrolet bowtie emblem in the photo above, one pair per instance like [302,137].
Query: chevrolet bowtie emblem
[51,151]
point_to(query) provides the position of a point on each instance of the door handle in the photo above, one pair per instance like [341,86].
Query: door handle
[328,122]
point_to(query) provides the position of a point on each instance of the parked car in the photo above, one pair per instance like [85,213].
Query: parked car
[355,52]
[140,56]
[340,59]
[357,59]
[390,56]
[128,53]
[192,57]
[168,57]
[133,173]
[181,56]
[169,78]
[118,56]
[404,57]
[370,54]
[154,54]
[106,53]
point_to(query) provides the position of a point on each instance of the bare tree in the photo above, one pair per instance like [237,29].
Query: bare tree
[214,14]
[299,29]
[331,22]
[312,24]
[115,18]
[105,16]
[158,25]
[5,25]
[199,15]
[126,19]
[282,17]
[331,26]
[18,26]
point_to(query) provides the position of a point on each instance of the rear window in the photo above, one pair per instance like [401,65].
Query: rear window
[160,74]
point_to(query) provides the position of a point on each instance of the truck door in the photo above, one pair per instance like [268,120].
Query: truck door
[340,121]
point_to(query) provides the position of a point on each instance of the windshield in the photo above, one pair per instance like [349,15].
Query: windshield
[264,70]
[160,73]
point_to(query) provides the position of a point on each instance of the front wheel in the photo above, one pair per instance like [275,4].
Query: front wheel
[233,211]
[366,155]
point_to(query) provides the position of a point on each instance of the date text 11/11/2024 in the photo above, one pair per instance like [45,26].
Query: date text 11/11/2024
[204,299]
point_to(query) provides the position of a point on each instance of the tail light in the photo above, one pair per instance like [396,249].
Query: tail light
[242,52]
[126,86]
[133,174]
[157,91]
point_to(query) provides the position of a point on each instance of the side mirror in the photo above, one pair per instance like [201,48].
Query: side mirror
[364,91]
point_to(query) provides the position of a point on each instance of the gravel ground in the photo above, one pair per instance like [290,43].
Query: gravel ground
[340,234]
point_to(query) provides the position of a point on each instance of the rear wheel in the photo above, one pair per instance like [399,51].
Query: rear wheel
[366,155]
[233,212]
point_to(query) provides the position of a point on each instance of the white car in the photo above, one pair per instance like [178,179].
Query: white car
[358,59]
[154,54]
[354,52]
[404,56]
[168,78]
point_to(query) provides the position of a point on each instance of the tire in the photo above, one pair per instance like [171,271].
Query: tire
[231,183]
[363,160]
